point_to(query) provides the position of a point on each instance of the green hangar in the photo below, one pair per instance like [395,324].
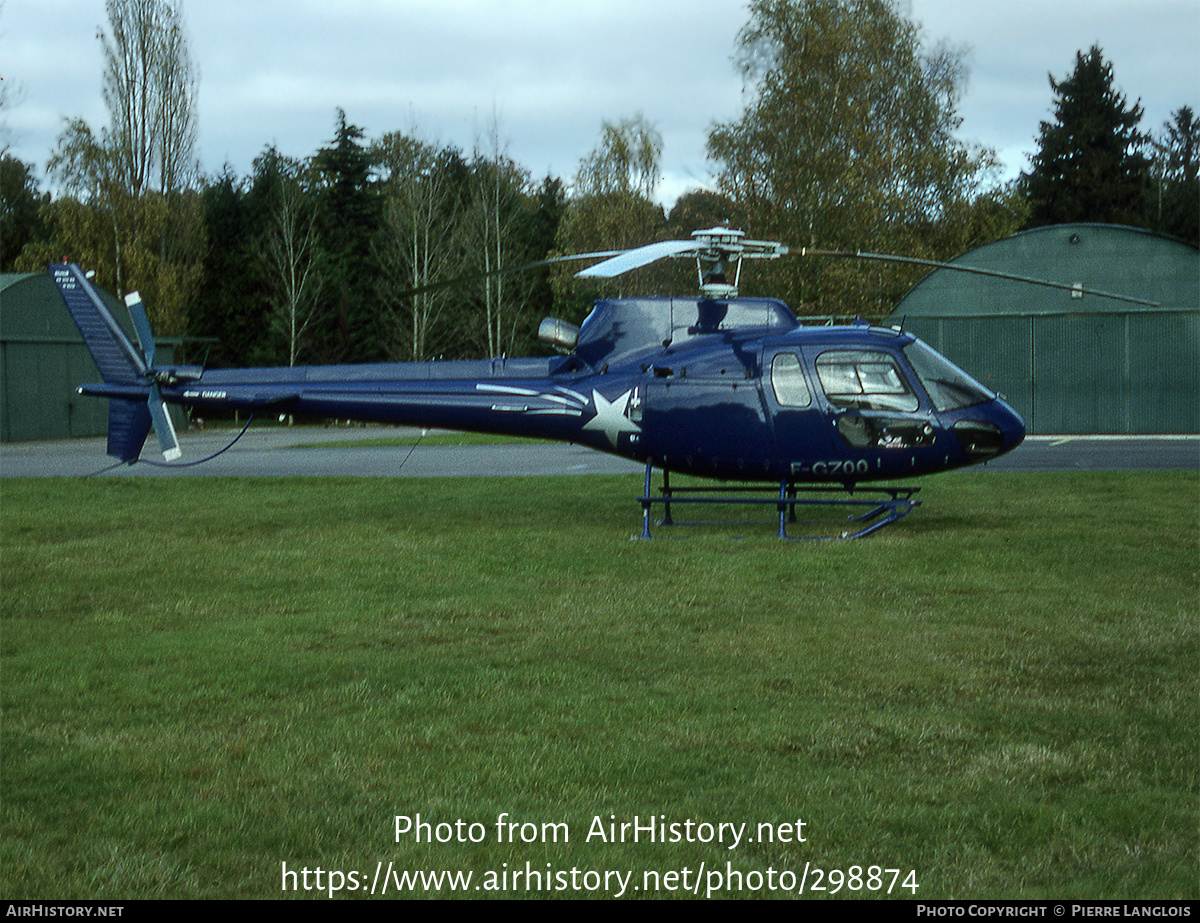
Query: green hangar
[1068,361]
[42,362]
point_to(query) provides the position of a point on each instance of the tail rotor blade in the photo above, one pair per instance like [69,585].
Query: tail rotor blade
[164,429]
[141,327]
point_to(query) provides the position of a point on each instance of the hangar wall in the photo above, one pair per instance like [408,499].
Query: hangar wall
[42,362]
[1081,373]
[1071,363]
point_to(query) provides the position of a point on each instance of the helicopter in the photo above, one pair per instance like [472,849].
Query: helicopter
[728,388]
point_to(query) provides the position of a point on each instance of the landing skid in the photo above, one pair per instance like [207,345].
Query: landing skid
[885,506]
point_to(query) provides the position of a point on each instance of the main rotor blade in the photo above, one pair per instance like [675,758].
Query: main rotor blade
[487,274]
[636,258]
[995,274]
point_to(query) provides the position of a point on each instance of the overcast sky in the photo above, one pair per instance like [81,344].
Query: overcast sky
[548,72]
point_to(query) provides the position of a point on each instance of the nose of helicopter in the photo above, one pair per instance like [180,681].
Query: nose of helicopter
[1012,427]
[988,430]
[1009,423]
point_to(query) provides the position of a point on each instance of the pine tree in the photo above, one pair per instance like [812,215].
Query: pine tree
[350,216]
[231,303]
[1090,164]
[1177,169]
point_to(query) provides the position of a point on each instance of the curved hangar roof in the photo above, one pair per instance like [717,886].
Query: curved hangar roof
[1102,257]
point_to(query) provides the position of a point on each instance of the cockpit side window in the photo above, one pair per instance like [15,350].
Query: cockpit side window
[865,380]
[787,378]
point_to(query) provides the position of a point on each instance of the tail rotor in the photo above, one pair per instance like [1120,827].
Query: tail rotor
[131,379]
[164,429]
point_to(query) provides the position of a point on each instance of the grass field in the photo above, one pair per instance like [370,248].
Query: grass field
[210,683]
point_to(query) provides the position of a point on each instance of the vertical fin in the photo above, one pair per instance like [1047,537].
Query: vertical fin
[117,359]
[128,427]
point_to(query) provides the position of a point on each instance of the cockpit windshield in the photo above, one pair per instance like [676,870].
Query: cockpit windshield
[948,386]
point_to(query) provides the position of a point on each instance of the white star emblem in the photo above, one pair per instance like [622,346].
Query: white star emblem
[610,417]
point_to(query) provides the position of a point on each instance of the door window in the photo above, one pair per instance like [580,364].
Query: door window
[865,381]
[787,379]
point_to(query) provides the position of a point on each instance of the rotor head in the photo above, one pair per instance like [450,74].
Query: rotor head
[718,253]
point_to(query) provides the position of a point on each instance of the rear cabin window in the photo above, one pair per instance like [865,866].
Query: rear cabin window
[865,380]
[787,378]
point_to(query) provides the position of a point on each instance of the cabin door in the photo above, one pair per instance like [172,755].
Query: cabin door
[706,425]
[801,433]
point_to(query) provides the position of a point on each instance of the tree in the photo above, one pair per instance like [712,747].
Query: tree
[498,208]
[847,143]
[150,92]
[612,208]
[1090,164]
[1176,163]
[140,172]
[700,208]
[420,241]
[232,305]
[625,162]
[10,94]
[20,202]
[349,220]
[87,170]
[289,254]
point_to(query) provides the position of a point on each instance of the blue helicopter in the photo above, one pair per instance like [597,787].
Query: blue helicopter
[728,388]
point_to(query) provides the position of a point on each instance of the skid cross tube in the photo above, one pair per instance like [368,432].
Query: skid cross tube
[888,504]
